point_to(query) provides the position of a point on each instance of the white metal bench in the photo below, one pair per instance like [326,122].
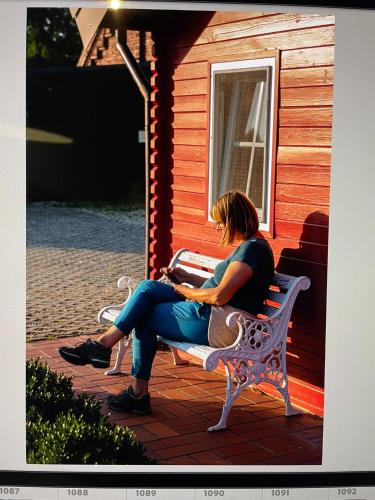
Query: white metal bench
[259,352]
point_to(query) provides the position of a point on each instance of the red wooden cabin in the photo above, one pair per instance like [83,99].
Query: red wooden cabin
[244,100]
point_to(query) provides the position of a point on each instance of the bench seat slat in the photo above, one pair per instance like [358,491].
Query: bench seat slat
[268,310]
[200,351]
[278,297]
[284,281]
[198,260]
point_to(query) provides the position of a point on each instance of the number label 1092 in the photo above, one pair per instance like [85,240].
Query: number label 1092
[347,491]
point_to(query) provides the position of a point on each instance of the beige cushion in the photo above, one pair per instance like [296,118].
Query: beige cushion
[219,334]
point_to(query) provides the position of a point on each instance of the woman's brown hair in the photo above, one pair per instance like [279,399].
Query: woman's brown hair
[237,214]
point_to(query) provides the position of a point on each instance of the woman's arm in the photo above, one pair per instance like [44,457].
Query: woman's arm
[236,275]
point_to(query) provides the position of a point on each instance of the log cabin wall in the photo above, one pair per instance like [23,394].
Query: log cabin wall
[306,44]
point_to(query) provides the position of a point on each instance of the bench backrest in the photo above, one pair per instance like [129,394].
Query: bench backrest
[278,294]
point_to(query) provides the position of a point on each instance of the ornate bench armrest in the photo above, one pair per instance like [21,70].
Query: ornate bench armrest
[127,282]
[109,313]
[237,316]
[256,336]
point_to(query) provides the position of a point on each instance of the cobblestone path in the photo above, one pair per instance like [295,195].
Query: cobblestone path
[74,258]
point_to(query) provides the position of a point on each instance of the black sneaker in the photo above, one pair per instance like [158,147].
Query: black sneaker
[87,352]
[126,401]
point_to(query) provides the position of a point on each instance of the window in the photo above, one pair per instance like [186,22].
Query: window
[241,131]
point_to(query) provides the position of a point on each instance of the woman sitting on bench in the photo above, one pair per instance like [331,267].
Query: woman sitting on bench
[181,313]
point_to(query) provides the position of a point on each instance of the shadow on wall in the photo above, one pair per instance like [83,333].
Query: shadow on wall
[307,347]
[165,199]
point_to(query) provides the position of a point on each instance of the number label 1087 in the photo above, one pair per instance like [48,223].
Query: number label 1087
[9,491]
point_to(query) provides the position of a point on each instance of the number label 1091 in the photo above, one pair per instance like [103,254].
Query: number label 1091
[280,493]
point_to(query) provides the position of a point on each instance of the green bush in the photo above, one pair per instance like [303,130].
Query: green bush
[51,393]
[63,428]
[48,392]
[73,440]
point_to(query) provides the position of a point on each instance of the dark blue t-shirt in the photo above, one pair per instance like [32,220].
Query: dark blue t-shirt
[257,253]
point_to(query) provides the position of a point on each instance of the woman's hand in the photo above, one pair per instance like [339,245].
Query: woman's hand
[179,288]
[179,274]
[175,275]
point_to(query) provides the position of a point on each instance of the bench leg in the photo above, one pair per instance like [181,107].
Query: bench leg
[289,408]
[275,373]
[123,347]
[280,381]
[236,383]
[177,360]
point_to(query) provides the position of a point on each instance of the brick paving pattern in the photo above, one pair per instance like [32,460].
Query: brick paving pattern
[185,401]
[74,258]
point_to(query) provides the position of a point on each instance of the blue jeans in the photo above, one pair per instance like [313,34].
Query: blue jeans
[156,309]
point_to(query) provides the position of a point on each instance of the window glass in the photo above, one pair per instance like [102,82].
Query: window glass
[239,133]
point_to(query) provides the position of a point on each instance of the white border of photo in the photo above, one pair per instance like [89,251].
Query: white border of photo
[349,441]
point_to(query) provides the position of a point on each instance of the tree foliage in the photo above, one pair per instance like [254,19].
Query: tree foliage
[52,38]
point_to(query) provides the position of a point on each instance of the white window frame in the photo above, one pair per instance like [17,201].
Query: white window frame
[269,62]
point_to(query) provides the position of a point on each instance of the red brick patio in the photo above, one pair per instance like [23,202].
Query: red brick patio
[186,400]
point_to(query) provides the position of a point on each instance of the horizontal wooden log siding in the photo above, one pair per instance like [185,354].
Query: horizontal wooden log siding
[306,44]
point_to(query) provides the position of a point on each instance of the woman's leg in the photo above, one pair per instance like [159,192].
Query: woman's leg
[181,321]
[98,353]
[145,297]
